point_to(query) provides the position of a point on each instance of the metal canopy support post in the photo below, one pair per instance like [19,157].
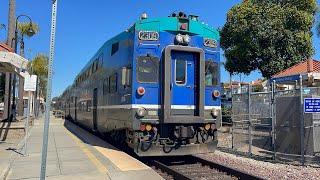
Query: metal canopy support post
[250,119]
[49,86]
[35,101]
[301,122]
[232,114]
[27,125]
[7,96]
[273,121]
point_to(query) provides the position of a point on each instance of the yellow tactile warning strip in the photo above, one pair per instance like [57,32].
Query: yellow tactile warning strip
[122,160]
[89,154]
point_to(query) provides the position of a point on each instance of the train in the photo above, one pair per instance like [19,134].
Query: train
[155,87]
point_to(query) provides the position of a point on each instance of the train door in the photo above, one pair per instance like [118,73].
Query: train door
[183,83]
[94,109]
[75,108]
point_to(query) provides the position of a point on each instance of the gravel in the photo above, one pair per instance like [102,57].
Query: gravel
[263,169]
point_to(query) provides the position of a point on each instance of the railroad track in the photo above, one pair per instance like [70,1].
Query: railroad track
[191,167]
[187,167]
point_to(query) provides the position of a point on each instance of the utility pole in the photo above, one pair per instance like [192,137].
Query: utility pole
[49,86]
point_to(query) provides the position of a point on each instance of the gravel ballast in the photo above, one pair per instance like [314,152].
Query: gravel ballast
[265,170]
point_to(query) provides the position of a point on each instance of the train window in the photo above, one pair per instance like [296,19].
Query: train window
[84,106]
[147,69]
[113,83]
[181,71]
[97,64]
[91,68]
[105,86]
[88,105]
[100,60]
[211,73]
[114,48]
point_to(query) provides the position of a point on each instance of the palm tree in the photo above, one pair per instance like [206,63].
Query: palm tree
[39,67]
[11,22]
[24,30]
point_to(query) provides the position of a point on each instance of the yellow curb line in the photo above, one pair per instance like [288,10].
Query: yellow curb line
[89,154]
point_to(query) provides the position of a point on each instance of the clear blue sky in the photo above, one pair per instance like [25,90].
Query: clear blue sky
[83,26]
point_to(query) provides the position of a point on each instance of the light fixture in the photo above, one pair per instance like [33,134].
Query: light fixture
[141,112]
[186,39]
[179,38]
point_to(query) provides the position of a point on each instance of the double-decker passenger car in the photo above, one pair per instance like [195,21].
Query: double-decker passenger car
[154,87]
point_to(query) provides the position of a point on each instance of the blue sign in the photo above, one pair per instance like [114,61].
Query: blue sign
[312,105]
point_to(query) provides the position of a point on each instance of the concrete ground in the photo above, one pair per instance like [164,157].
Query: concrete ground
[11,133]
[75,154]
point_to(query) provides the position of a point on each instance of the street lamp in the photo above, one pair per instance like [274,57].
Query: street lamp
[16,30]
[15,50]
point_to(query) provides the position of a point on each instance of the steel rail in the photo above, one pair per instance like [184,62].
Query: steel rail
[229,170]
[178,175]
[219,167]
[175,174]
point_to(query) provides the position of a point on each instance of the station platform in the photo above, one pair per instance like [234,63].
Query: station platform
[73,153]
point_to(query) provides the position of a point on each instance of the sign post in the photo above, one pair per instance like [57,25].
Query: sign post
[48,98]
[30,83]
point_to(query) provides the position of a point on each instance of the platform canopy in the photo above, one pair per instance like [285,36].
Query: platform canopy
[12,62]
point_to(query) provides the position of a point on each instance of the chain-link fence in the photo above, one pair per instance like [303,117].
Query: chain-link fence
[273,125]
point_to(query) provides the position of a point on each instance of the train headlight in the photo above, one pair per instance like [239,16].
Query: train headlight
[141,112]
[186,39]
[142,127]
[179,38]
[148,127]
[215,112]
[207,127]
[213,126]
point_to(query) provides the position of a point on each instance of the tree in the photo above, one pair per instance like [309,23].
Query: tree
[268,35]
[24,30]
[11,22]
[39,67]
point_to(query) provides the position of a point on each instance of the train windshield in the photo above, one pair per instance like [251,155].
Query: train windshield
[212,73]
[148,69]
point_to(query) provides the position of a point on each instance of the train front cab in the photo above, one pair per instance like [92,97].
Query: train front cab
[183,121]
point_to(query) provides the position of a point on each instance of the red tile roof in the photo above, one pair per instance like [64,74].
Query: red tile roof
[306,66]
[4,47]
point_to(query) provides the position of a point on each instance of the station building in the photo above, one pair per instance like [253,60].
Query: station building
[309,71]
[11,97]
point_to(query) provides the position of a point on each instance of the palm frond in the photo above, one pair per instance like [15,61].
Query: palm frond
[24,29]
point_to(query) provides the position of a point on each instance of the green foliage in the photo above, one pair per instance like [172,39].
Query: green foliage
[258,88]
[39,67]
[226,111]
[24,29]
[269,35]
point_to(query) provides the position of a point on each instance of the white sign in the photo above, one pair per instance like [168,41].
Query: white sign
[30,83]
